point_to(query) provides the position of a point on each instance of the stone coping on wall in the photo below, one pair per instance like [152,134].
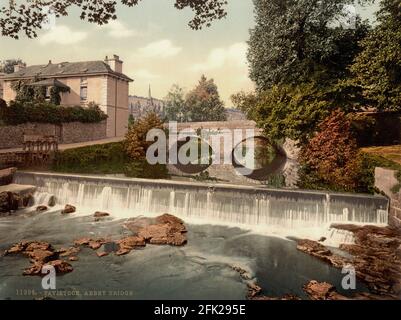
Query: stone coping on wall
[32,177]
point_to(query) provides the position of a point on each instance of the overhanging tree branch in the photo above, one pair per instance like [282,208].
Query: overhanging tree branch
[27,17]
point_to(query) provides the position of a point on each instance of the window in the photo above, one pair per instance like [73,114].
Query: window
[84,93]
[84,89]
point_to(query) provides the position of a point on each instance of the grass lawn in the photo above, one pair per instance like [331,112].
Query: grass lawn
[392,153]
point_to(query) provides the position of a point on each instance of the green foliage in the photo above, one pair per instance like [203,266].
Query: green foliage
[204,176]
[142,169]
[377,69]
[19,113]
[288,111]
[175,105]
[7,66]
[131,121]
[135,139]
[203,103]
[109,158]
[25,93]
[99,159]
[330,159]
[276,181]
[295,39]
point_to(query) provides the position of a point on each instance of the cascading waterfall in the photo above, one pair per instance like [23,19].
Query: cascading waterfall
[248,206]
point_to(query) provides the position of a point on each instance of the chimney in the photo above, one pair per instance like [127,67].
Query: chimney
[115,63]
[19,66]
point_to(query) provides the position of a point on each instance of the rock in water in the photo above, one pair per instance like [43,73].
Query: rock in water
[69,209]
[375,256]
[99,214]
[40,254]
[9,201]
[41,208]
[165,229]
[52,201]
[322,291]
[7,176]
[126,245]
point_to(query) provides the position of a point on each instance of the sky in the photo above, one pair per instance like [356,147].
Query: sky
[156,44]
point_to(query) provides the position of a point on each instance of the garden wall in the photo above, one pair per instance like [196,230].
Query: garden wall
[13,136]
[385,180]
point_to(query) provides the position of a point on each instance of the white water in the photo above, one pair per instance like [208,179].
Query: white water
[305,214]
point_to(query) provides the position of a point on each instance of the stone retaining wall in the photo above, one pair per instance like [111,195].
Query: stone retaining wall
[13,136]
[385,180]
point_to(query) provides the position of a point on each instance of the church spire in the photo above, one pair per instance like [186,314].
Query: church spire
[150,96]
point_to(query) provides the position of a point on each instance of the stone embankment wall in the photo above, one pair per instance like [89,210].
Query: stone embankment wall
[13,136]
[385,180]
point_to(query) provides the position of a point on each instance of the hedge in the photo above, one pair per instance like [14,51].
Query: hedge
[19,113]
[110,158]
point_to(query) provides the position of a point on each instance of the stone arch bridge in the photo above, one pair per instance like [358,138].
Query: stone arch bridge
[247,129]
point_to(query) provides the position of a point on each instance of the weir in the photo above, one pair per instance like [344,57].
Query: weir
[243,205]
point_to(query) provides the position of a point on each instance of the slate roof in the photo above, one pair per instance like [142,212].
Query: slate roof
[65,69]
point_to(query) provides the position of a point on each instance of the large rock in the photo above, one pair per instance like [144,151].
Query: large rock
[99,214]
[9,201]
[322,291]
[40,254]
[126,245]
[94,244]
[165,229]
[375,256]
[7,176]
[318,250]
[68,209]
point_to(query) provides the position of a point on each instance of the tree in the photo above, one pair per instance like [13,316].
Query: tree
[377,69]
[29,16]
[293,40]
[203,103]
[295,111]
[135,139]
[7,66]
[330,159]
[175,104]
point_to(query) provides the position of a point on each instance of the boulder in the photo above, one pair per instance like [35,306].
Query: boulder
[102,254]
[375,256]
[61,266]
[94,244]
[99,214]
[40,254]
[68,252]
[166,229]
[9,201]
[253,290]
[322,291]
[41,208]
[52,201]
[126,245]
[7,176]
[68,209]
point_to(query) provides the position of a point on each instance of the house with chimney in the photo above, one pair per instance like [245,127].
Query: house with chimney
[99,82]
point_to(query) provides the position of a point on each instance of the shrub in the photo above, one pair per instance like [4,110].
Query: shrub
[142,169]
[19,113]
[104,158]
[109,158]
[330,159]
[136,144]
